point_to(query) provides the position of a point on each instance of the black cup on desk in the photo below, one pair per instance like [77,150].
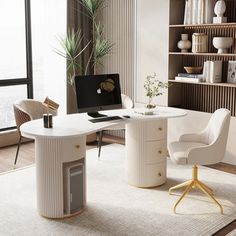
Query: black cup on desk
[47,120]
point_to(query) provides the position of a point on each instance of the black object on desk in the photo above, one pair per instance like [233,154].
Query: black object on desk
[107,118]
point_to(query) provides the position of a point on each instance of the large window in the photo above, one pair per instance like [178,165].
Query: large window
[15,58]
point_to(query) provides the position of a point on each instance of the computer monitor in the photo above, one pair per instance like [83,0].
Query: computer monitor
[97,92]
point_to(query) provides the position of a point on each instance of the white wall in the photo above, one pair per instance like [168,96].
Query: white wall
[152,21]
[152,55]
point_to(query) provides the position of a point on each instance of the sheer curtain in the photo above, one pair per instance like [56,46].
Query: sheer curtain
[49,19]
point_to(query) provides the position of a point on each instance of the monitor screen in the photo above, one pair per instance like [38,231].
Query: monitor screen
[98,92]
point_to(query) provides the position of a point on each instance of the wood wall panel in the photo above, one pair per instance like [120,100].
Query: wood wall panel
[208,98]
[118,18]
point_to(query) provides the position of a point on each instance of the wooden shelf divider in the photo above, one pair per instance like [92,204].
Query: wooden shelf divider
[222,25]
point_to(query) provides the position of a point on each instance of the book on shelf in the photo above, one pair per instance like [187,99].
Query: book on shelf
[200,15]
[209,11]
[188,75]
[212,71]
[194,11]
[231,75]
[199,11]
[189,79]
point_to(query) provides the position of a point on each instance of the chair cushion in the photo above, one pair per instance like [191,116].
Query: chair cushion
[179,151]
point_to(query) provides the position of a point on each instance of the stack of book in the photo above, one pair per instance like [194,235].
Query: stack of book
[186,77]
[212,71]
[199,11]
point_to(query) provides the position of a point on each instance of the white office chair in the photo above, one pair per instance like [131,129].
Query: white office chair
[205,148]
[127,103]
[27,110]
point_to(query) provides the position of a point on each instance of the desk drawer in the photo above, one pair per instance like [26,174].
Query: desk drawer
[73,149]
[156,151]
[156,130]
[156,173]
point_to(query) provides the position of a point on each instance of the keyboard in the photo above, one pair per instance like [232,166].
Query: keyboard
[107,118]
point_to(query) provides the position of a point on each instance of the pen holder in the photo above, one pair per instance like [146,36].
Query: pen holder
[47,120]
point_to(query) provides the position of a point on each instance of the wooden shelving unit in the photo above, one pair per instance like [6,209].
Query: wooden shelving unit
[205,97]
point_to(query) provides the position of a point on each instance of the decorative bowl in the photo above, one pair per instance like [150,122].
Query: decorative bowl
[193,69]
[222,43]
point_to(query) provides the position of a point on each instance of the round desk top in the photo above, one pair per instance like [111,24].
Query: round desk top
[78,124]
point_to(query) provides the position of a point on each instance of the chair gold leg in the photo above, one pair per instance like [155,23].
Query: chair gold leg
[206,187]
[180,185]
[209,194]
[192,184]
[184,193]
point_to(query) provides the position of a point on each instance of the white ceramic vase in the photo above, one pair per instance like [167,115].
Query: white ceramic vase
[220,8]
[222,43]
[184,44]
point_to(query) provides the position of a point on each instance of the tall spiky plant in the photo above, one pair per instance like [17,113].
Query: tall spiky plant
[100,46]
[71,50]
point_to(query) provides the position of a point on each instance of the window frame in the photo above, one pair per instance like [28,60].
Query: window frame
[28,81]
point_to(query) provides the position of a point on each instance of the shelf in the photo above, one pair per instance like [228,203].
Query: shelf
[204,83]
[203,54]
[223,25]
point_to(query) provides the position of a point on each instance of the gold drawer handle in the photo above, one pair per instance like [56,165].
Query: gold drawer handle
[160,151]
[160,129]
[159,174]
[77,146]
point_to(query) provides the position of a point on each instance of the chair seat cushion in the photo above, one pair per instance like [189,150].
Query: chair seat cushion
[179,151]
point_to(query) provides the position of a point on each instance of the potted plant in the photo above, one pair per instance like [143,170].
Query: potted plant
[71,44]
[153,88]
[72,49]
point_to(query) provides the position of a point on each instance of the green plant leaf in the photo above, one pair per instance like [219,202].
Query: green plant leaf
[71,49]
[102,46]
[92,6]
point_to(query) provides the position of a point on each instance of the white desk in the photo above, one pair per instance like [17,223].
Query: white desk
[146,149]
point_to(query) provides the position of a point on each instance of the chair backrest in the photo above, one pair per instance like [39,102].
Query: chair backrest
[215,137]
[29,109]
[127,102]
[20,116]
[218,127]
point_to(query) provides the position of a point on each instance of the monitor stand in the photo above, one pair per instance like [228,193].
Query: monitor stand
[95,114]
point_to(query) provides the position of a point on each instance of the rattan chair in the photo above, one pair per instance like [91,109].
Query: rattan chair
[27,110]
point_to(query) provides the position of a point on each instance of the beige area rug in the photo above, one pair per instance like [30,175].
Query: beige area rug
[116,208]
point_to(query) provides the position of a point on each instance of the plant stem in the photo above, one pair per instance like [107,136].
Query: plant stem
[94,47]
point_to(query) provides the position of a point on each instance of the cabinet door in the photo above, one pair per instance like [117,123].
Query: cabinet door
[156,130]
[156,173]
[73,149]
[156,151]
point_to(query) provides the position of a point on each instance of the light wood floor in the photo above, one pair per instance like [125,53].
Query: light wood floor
[26,157]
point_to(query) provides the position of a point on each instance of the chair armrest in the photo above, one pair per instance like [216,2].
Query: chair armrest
[191,138]
[205,155]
